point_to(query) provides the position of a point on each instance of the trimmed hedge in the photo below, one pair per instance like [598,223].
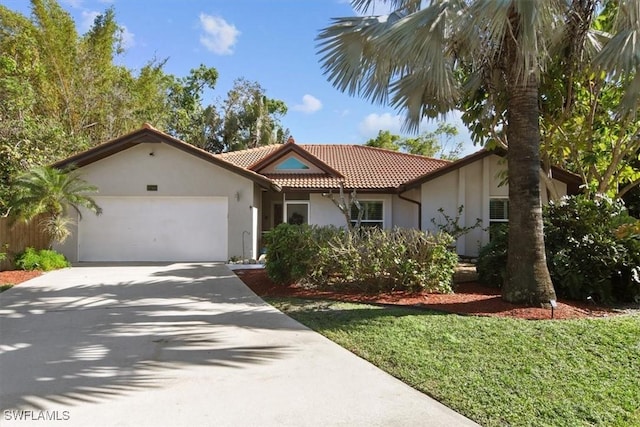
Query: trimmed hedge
[369,259]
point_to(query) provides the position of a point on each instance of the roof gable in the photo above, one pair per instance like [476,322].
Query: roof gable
[148,134]
[293,152]
[572,180]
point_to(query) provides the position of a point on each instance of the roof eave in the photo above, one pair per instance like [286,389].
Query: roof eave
[148,134]
[565,176]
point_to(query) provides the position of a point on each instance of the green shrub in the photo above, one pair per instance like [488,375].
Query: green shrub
[492,259]
[585,256]
[290,252]
[369,259]
[376,260]
[44,259]
[592,249]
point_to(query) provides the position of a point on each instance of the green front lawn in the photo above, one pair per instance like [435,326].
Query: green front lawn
[496,371]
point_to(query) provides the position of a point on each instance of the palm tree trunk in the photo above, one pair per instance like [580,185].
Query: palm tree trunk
[528,280]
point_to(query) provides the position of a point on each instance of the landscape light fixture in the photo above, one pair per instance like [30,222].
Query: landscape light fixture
[553,306]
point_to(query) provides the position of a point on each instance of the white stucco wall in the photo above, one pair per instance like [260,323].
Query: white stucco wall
[405,214]
[322,211]
[471,186]
[176,173]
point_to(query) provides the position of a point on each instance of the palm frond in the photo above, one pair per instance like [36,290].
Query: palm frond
[45,190]
[631,100]
[403,56]
[529,22]
[57,227]
[620,56]
[367,7]
[349,53]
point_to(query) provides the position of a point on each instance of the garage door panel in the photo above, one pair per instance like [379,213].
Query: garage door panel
[155,229]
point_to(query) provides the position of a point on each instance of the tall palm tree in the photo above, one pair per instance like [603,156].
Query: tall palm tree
[50,192]
[429,57]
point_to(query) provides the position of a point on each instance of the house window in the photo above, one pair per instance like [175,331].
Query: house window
[296,213]
[498,214]
[291,164]
[372,215]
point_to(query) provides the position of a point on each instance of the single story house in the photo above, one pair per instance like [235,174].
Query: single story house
[166,200]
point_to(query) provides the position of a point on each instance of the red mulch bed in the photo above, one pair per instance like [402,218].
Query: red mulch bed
[469,299]
[17,276]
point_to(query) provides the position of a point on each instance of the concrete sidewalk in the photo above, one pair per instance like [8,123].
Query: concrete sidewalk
[182,345]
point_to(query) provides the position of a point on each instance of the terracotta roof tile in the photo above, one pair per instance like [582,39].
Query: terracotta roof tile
[307,181]
[374,168]
[246,158]
[363,167]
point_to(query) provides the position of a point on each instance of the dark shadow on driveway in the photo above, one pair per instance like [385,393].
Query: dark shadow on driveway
[68,343]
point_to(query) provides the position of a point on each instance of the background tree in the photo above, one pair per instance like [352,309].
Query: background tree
[582,127]
[438,143]
[428,58]
[189,119]
[386,140]
[62,93]
[250,118]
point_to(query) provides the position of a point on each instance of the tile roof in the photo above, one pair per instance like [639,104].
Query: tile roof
[306,181]
[364,168]
[246,158]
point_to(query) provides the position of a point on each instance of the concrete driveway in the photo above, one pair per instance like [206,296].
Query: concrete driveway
[181,344]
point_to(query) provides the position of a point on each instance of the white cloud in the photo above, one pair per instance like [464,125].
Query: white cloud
[88,16]
[219,36]
[128,38]
[373,123]
[310,104]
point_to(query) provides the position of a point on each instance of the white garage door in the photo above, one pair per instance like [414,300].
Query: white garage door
[155,229]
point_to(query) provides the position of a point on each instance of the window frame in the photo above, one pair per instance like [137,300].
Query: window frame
[499,220]
[283,167]
[369,222]
[285,209]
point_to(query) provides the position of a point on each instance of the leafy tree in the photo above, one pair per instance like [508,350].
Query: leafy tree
[61,92]
[488,57]
[435,143]
[247,118]
[250,118]
[50,192]
[593,141]
[430,144]
[386,140]
[189,119]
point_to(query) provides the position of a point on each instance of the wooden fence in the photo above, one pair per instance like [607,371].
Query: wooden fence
[15,238]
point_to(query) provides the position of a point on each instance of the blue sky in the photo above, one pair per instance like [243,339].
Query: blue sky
[268,41]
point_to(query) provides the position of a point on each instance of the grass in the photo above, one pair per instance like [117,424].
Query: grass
[496,371]
[5,287]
